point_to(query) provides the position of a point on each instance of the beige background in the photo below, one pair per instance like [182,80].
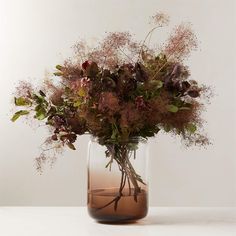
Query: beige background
[36,35]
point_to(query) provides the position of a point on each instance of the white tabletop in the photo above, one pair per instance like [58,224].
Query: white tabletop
[161,221]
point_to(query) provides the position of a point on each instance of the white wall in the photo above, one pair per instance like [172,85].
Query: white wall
[36,35]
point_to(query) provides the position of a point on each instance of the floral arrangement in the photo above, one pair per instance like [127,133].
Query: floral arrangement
[117,91]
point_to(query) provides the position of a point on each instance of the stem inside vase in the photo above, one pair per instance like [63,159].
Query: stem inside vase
[122,154]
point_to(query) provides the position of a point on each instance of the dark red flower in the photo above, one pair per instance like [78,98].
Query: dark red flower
[54,137]
[86,64]
[193,93]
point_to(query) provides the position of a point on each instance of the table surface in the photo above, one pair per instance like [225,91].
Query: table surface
[161,221]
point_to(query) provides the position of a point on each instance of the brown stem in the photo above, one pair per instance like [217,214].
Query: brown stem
[121,156]
[134,182]
[117,198]
[109,203]
[122,184]
[149,33]
[129,186]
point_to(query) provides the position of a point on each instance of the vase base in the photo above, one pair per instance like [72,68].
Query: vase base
[105,206]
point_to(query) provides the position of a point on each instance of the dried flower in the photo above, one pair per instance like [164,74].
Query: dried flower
[86,64]
[160,19]
[181,42]
[108,102]
[139,102]
[120,90]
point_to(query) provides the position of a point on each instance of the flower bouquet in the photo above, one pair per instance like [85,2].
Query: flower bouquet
[120,92]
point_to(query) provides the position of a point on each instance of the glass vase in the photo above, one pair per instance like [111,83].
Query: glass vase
[117,180]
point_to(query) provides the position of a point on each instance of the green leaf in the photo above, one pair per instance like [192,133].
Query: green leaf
[21,101]
[77,103]
[114,132]
[109,164]
[81,92]
[18,114]
[167,128]
[149,131]
[37,108]
[40,116]
[58,74]
[191,128]
[59,67]
[71,146]
[184,108]
[41,113]
[158,84]
[133,146]
[172,108]
[178,103]
[38,99]
[42,93]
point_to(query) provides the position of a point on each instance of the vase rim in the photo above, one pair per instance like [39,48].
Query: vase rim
[129,140]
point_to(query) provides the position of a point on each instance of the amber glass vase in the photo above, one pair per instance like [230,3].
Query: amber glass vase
[117,181]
